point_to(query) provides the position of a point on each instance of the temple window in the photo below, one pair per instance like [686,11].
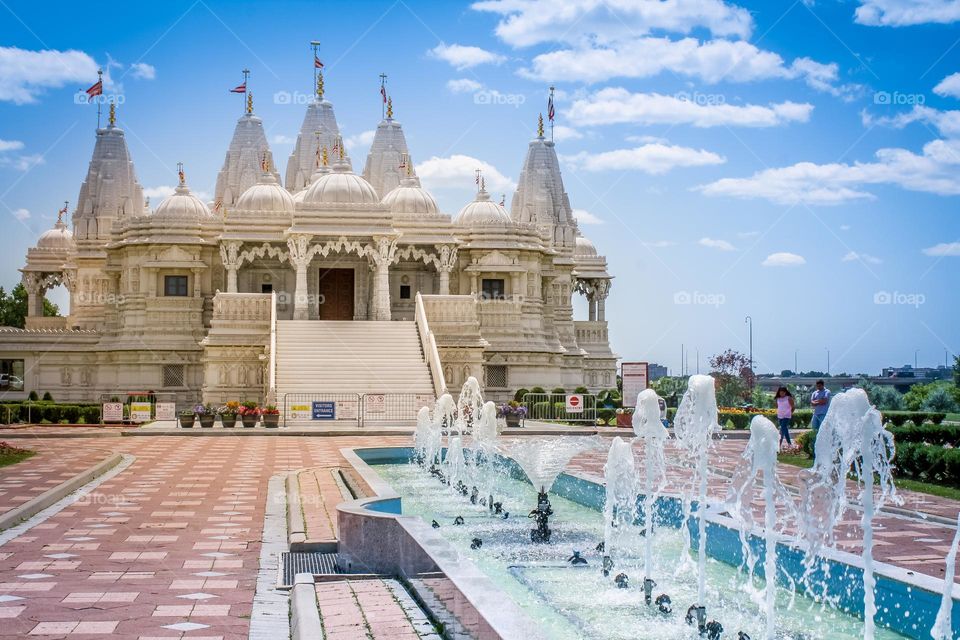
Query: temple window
[175,285]
[493,289]
[404,292]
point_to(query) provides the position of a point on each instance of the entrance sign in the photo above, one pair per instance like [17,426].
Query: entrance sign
[575,403]
[636,376]
[140,412]
[113,412]
[375,403]
[324,410]
[166,411]
[348,409]
[300,411]
[423,400]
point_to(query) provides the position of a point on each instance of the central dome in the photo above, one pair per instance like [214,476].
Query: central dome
[341,186]
[182,205]
[266,195]
[410,199]
[483,211]
[57,239]
[585,248]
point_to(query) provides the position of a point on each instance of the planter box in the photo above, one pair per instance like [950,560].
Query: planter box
[513,421]
[625,420]
[186,422]
[249,421]
[228,421]
[206,421]
[271,420]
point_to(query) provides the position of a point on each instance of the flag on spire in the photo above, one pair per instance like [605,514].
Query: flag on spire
[383,93]
[95,90]
[550,111]
[316,62]
[240,88]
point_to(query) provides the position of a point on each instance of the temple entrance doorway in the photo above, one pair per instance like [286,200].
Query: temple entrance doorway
[336,294]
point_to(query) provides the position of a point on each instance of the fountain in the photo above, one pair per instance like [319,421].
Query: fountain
[620,506]
[647,426]
[943,625]
[694,426]
[469,403]
[852,438]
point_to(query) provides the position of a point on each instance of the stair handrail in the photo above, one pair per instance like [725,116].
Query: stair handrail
[272,374]
[429,343]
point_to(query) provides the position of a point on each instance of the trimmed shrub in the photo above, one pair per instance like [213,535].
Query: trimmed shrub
[943,434]
[581,389]
[47,397]
[540,411]
[929,463]
[518,396]
[33,396]
[806,441]
[538,390]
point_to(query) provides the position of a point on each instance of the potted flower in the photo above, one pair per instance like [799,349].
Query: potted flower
[271,416]
[206,415]
[513,412]
[625,417]
[228,414]
[187,418]
[249,414]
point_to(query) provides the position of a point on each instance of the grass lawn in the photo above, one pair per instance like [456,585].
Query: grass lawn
[806,462]
[953,417]
[13,456]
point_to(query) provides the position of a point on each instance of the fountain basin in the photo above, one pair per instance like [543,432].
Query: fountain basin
[372,534]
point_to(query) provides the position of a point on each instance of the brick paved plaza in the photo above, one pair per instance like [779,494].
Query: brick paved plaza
[169,547]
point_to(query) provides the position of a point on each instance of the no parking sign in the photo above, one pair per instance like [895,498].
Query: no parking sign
[575,403]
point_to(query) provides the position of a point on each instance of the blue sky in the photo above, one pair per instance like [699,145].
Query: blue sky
[797,163]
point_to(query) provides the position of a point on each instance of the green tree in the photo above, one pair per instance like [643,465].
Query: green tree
[956,371]
[940,399]
[13,307]
[734,378]
[670,388]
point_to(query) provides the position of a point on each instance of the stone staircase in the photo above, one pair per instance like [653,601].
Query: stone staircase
[356,357]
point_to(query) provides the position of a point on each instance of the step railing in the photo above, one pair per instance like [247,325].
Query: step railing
[272,373]
[430,351]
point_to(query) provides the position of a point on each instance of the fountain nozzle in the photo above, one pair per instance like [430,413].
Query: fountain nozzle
[622,580]
[607,566]
[663,603]
[697,614]
[576,559]
[713,630]
[648,585]
[542,515]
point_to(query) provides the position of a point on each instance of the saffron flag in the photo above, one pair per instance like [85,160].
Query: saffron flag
[550,110]
[383,93]
[316,63]
[240,88]
[95,90]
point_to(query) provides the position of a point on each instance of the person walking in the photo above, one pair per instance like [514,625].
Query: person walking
[785,408]
[820,400]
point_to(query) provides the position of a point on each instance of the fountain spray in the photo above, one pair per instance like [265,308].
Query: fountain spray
[620,506]
[647,425]
[694,426]
[943,626]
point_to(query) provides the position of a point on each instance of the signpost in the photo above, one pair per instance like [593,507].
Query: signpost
[575,403]
[636,376]
[140,412]
[348,409]
[112,412]
[166,411]
[324,410]
[300,411]
[375,403]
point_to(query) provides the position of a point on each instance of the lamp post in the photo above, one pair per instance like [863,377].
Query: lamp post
[796,371]
[828,362]
[916,353]
[749,321]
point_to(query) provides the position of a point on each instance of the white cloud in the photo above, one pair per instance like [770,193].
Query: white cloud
[464,57]
[935,171]
[528,22]
[946,122]
[943,249]
[21,214]
[25,74]
[362,139]
[283,139]
[23,162]
[784,259]
[949,86]
[712,61]
[902,13]
[713,243]
[458,172]
[143,71]
[562,133]
[463,85]
[658,244]
[585,217]
[158,192]
[853,256]
[845,227]
[10,145]
[616,105]
[654,159]
[748,234]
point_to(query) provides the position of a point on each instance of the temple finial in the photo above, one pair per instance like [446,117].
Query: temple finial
[63,211]
[112,118]
[326,161]
[338,146]
[180,174]
[540,126]
[265,163]
[389,108]
[250,103]
[319,84]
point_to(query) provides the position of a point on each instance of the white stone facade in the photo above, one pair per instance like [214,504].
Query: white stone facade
[172,300]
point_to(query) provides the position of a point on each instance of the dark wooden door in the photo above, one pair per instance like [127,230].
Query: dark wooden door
[336,294]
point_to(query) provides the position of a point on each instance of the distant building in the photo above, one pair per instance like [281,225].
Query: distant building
[907,371]
[656,371]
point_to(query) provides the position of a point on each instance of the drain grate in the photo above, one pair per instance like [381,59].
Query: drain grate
[315,563]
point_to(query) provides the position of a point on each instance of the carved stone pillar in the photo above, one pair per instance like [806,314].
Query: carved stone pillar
[34,295]
[592,302]
[230,257]
[381,253]
[602,289]
[299,246]
[447,260]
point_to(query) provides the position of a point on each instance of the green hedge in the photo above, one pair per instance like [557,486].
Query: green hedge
[51,412]
[898,418]
[929,463]
[938,434]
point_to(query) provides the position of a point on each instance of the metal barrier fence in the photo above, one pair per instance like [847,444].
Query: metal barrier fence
[353,409]
[561,407]
[137,406]
[321,408]
[393,409]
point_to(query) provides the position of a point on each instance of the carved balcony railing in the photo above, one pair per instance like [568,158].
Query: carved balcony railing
[242,307]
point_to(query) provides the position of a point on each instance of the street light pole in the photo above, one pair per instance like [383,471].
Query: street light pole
[916,353]
[828,362]
[749,321]
[795,369]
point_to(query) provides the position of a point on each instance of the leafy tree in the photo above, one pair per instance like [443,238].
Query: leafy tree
[13,307]
[734,377]
[917,395]
[761,399]
[956,370]
[883,397]
[670,388]
[940,399]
